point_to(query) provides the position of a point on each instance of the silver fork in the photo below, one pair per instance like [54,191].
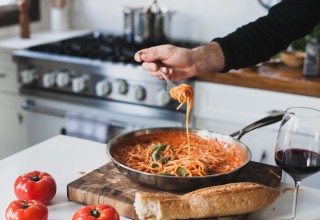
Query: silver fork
[170,84]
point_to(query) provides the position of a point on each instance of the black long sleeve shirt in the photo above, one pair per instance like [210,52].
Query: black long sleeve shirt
[259,40]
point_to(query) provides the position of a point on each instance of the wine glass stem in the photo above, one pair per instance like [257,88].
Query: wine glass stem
[295,199]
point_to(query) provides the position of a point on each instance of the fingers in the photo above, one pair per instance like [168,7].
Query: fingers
[147,55]
[151,67]
[137,56]
[151,60]
[152,54]
[159,76]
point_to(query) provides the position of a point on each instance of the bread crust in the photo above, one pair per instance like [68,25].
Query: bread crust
[214,201]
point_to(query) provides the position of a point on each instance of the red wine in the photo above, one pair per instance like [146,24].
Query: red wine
[298,163]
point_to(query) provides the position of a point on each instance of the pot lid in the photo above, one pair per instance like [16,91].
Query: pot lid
[154,8]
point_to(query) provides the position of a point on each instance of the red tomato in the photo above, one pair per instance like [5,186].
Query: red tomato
[101,212]
[35,185]
[26,210]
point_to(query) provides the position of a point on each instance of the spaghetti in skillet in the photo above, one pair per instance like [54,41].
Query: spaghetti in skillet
[166,153]
[178,154]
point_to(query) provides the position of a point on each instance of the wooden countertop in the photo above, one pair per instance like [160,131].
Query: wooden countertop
[273,77]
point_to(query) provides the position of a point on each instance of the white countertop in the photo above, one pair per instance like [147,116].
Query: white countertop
[66,157]
[15,43]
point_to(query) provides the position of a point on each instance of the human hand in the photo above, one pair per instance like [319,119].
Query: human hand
[179,63]
[175,62]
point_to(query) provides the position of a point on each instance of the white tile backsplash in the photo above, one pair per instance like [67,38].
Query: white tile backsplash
[197,20]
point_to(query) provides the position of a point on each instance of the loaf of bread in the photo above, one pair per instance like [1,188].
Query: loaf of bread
[214,201]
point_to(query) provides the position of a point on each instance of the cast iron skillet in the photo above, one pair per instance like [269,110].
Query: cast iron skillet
[176,183]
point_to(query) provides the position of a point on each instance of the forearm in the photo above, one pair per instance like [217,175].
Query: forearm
[258,41]
[208,58]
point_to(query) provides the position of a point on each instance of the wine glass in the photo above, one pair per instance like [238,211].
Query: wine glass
[298,146]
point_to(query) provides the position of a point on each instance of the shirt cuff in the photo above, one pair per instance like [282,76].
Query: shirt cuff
[226,53]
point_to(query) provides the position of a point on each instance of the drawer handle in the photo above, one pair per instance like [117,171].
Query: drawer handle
[2,75]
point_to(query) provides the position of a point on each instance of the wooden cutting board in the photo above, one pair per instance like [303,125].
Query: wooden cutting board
[106,185]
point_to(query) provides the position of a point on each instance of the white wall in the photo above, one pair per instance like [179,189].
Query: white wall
[197,20]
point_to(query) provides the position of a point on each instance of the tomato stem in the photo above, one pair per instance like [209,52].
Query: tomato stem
[24,205]
[95,213]
[35,178]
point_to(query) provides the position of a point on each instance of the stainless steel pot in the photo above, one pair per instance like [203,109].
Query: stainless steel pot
[175,183]
[142,25]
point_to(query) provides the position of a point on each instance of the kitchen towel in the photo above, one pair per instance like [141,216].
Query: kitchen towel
[73,124]
[87,127]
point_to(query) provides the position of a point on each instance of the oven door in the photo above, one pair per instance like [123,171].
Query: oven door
[46,118]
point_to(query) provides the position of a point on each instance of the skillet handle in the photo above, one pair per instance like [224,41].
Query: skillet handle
[271,119]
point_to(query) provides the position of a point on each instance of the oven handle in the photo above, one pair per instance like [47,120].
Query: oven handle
[30,105]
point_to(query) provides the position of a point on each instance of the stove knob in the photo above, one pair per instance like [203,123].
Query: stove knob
[62,79]
[122,86]
[140,93]
[79,83]
[162,97]
[103,88]
[48,79]
[27,76]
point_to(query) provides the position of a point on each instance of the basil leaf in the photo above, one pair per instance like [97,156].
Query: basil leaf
[156,151]
[165,160]
[181,171]
[154,165]
[156,147]
[160,147]
[155,155]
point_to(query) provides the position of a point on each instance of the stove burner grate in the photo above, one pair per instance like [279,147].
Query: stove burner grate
[101,46]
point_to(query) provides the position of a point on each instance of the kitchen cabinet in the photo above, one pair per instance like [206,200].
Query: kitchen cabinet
[50,125]
[12,123]
[226,109]
[8,73]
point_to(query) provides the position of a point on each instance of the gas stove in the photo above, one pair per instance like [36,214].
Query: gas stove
[101,46]
[95,68]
